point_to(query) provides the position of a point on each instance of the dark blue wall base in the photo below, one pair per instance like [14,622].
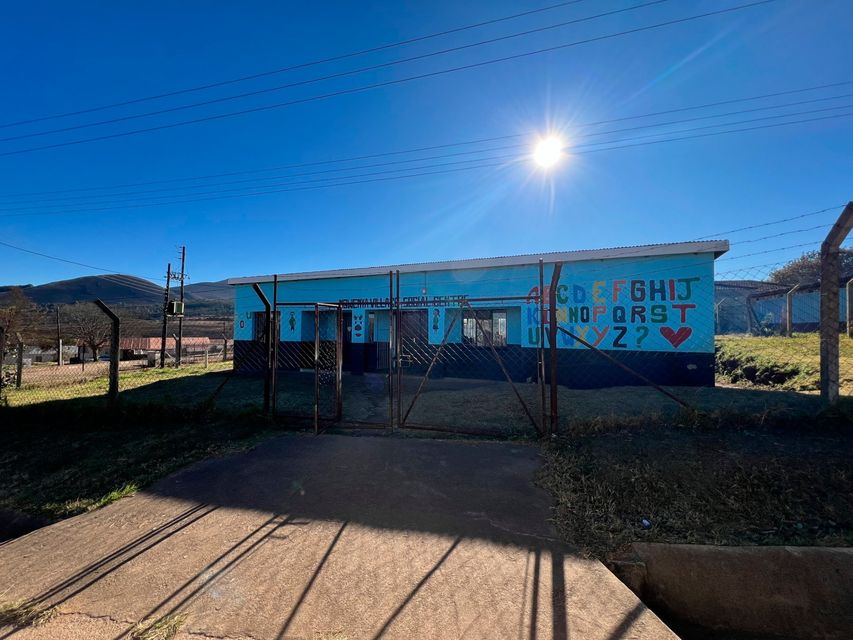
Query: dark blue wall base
[576,368]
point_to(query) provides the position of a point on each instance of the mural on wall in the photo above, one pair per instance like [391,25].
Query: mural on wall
[436,324]
[662,303]
[359,325]
[639,314]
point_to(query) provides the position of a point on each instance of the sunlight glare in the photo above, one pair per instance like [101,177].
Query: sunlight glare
[548,152]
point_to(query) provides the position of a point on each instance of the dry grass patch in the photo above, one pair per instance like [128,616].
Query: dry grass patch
[730,486]
[164,628]
[24,614]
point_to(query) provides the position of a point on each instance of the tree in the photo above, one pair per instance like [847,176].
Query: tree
[806,269]
[88,324]
[18,315]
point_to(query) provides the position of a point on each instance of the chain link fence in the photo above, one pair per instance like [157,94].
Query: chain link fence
[64,352]
[510,356]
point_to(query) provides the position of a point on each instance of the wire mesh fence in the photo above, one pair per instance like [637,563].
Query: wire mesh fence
[64,352]
[463,369]
[516,354]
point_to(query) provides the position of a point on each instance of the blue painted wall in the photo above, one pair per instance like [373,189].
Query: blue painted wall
[633,304]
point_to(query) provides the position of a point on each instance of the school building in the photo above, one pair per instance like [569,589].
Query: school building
[651,307]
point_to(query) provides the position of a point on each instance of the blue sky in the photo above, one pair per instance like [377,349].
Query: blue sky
[57,57]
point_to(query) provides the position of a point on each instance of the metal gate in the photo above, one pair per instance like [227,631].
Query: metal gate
[457,371]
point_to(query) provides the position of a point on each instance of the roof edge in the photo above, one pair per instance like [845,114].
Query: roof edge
[717,247]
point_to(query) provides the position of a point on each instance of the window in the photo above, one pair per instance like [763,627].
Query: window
[480,325]
[259,325]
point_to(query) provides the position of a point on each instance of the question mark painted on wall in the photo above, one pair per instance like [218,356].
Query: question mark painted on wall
[642,332]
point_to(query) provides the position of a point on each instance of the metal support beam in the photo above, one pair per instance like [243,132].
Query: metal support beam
[267,344]
[274,323]
[552,344]
[830,272]
[115,354]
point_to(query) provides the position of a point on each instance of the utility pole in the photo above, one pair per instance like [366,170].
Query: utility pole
[58,340]
[180,344]
[165,316]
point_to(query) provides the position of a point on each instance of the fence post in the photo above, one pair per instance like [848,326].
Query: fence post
[849,291]
[112,394]
[789,311]
[19,370]
[830,267]
[552,344]
[2,360]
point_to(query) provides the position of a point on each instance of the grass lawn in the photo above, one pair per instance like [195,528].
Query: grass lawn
[777,361]
[57,469]
[70,382]
[725,485]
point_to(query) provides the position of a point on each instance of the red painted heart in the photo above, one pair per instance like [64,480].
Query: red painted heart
[676,337]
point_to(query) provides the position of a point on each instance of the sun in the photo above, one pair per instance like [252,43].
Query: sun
[548,152]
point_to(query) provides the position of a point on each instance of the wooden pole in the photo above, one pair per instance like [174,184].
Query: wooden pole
[180,343]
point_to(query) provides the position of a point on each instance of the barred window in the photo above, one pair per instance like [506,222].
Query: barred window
[480,324]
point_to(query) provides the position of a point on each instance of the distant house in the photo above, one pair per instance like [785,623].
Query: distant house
[137,346]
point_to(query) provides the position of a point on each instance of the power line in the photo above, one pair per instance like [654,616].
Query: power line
[16,205]
[122,279]
[296,186]
[386,83]
[452,144]
[767,224]
[332,76]
[295,67]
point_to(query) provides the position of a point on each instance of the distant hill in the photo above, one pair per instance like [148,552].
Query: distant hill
[121,289]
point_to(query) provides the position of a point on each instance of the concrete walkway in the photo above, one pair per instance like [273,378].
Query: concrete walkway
[334,537]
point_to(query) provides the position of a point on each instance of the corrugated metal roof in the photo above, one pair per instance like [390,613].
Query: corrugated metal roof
[717,247]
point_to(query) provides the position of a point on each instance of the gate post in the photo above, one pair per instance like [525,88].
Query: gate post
[275,338]
[339,365]
[316,369]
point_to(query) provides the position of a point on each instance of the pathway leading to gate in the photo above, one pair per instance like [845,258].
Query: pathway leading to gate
[333,537]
